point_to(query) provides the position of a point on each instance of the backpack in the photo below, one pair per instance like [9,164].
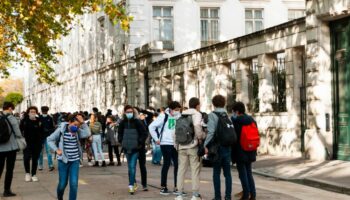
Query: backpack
[250,139]
[225,131]
[6,130]
[184,130]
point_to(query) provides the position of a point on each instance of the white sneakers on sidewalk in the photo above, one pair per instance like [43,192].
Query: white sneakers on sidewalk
[29,178]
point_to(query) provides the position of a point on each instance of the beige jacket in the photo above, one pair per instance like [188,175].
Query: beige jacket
[197,123]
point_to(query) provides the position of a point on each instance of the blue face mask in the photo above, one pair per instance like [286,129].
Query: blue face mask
[73,129]
[234,116]
[129,115]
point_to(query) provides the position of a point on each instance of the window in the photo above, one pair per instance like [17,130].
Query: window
[209,26]
[295,14]
[163,27]
[279,84]
[253,86]
[254,20]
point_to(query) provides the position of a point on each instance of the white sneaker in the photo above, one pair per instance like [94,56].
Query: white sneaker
[179,197]
[196,197]
[28,178]
[90,164]
[35,178]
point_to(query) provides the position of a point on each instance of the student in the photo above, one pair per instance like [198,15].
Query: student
[96,131]
[34,135]
[243,159]
[166,124]
[223,153]
[131,133]
[8,150]
[68,153]
[48,128]
[188,152]
[112,140]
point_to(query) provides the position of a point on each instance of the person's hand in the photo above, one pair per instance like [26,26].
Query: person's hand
[59,152]
[158,142]
[80,119]
[206,150]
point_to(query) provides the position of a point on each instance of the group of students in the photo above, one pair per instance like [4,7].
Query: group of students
[168,135]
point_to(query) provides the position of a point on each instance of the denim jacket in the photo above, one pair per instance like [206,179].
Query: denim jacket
[83,132]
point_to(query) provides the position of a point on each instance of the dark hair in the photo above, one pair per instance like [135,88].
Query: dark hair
[32,108]
[45,109]
[219,101]
[238,106]
[174,104]
[94,109]
[72,117]
[7,105]
[127,107]
[194,102]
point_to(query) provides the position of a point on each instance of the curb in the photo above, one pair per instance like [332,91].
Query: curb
[324,185]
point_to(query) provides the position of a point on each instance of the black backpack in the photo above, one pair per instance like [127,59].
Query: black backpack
[6,130]
[225,131]
[184,131]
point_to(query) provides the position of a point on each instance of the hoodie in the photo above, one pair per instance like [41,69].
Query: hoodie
[238,154]
[199,134]
[12,145]
[169,128]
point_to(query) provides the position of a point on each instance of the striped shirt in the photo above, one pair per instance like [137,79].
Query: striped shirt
[70,145]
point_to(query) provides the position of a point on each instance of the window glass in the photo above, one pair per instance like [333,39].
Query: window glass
[248,14]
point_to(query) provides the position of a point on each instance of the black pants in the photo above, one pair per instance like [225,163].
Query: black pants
[10,158]
[32,152]
[110,152]
[169,154]
[142,164]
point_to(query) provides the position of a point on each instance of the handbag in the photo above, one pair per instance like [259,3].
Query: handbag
[21,142]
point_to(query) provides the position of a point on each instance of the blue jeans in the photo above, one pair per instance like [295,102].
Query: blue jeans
[48,153]
[225,163]
[247,180]
[67,171]
[97,148]
[132,160]
[156,154]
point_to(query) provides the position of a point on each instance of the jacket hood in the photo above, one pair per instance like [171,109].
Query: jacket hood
[190,111]
[63,126]
[244,119]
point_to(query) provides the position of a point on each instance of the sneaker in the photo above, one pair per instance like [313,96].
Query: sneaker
[8,193]
[136,186]
[40,168]
[179,197]
[196,197]
[144,188]
[28,178]
[177,192]
[103,164]
[131,190]
[164,191]
[35,178]
[111,164]
[96,164]
[90,164]
[51,169]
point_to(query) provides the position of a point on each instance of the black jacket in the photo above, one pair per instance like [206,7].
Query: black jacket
[47,125]
[133,124]
[32,131]
[238,154]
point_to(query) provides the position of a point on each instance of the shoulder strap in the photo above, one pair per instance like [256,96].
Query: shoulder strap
[10,125]
[161,130]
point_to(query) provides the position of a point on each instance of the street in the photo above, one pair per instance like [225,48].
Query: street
[111,183]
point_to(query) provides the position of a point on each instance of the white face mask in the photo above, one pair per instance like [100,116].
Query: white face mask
[32,116]
[176,114]
[44,115]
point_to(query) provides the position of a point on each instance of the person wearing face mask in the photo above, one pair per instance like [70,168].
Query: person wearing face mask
[96,131]
[112,141]
[65,142]
[165,125]
[131,134]
[8,150]
[34,135]
[48,128]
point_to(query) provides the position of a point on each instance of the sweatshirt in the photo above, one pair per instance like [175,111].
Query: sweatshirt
[169,128]
[212,124]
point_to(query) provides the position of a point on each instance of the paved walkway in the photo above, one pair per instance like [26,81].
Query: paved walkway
[331,175]
[110,183]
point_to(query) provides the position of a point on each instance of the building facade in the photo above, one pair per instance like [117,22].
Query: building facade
[293,76]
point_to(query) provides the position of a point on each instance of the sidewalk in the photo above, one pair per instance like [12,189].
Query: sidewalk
[333,175]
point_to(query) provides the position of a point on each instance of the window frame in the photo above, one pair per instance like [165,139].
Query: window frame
[209,19]
[253,20]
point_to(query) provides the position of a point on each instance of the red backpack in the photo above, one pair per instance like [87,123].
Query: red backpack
[250,139]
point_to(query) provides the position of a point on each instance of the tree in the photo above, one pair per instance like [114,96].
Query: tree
[14,97]
[28,29]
